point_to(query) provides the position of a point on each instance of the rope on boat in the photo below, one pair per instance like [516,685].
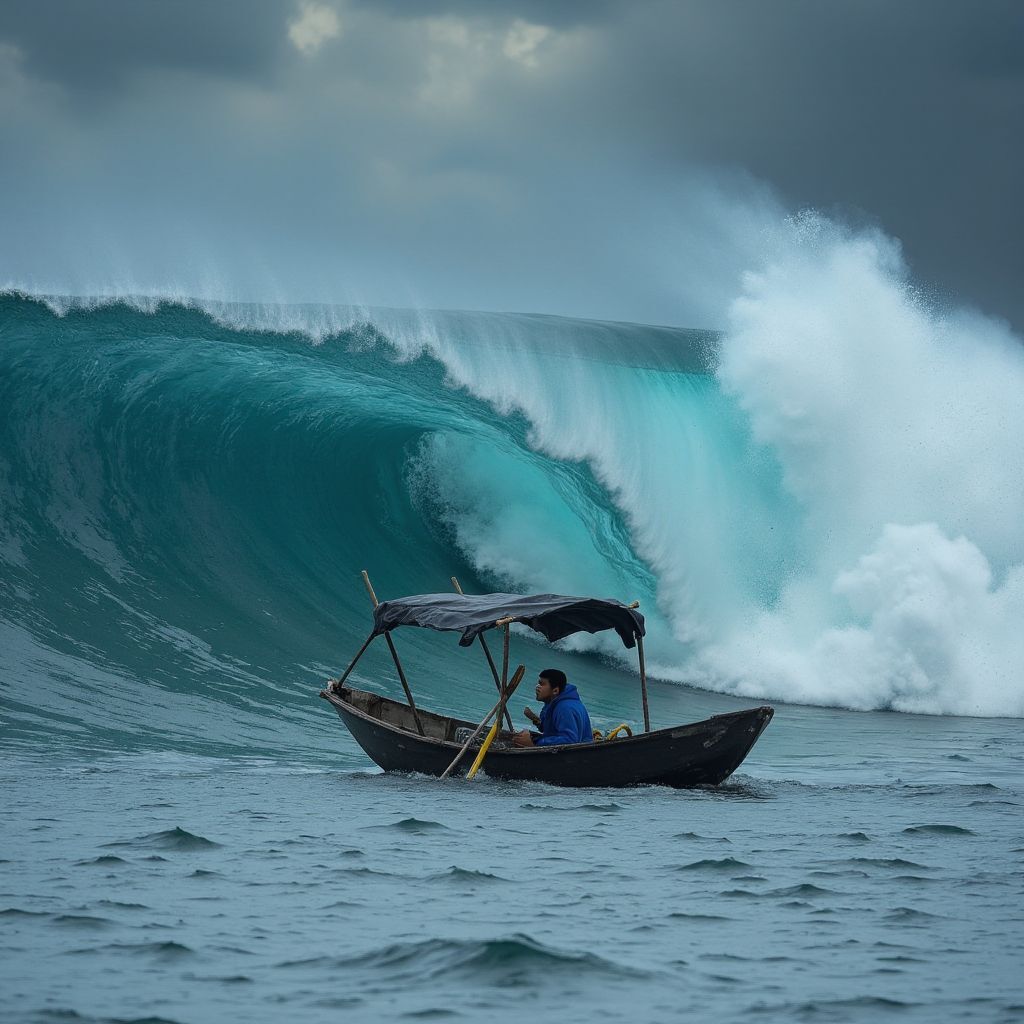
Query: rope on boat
[615,732]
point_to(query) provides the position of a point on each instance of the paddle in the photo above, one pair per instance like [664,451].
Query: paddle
[486,745]
[496,710]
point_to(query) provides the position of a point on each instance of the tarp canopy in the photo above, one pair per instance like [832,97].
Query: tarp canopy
[552,615]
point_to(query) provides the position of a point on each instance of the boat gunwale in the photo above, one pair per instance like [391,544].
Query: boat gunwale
[335,700]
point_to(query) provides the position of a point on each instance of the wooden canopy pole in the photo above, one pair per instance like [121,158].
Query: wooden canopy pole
[490,660]
[504,653]
[643,682]
[643,672]
[394,654]
[352,664]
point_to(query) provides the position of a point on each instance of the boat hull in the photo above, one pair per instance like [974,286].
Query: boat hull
[699,754]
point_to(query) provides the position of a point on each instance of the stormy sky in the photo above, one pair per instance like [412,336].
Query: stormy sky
[621,160]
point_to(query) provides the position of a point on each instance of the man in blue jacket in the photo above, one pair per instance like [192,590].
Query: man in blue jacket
[563,719]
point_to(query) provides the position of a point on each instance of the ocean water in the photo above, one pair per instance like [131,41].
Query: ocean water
[862,867]
[818,506]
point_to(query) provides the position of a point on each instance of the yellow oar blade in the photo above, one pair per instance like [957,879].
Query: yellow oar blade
[483,749]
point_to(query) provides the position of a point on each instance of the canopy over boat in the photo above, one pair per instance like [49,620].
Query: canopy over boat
[554,616]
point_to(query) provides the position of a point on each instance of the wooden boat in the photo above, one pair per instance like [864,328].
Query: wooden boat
[400,737]
[704,753]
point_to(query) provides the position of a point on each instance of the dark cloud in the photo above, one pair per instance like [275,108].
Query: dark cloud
[909,113]
[95,44]
[560,13]
[452,156]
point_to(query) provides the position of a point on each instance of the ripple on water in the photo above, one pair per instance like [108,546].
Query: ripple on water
[716,864]
[66,1016]
[680,915]
[413,826]
[938,830]
[606,808]
[169,950]
[872,1007]
[431,1013]
[463,876]
[176,839]
[498,962]
[83,921]
[893,863]
[910,915]
[803,889]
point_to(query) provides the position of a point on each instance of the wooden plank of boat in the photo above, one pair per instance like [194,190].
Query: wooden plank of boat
[695,754]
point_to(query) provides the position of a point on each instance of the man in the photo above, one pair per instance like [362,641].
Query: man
[563,719]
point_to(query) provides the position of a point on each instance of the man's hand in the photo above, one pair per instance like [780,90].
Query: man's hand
[523,738]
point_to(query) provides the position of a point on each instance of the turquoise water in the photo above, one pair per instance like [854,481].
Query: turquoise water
[187,497]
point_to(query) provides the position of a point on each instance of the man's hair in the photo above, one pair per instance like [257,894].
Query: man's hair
[556,677]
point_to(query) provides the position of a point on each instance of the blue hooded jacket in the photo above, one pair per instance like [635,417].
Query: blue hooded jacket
[565,720]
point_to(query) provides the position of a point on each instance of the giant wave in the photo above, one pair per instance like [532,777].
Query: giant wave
[821,504]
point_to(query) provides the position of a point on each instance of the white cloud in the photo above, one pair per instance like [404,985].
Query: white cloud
[522,40]
[457,59]
[461,55]
[315,24]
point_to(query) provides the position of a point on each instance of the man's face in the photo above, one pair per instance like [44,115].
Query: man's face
[544,691]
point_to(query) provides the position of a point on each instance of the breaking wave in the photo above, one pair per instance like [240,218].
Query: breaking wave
[821,504]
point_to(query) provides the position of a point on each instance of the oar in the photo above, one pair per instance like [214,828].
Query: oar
[490,714]
[486,745]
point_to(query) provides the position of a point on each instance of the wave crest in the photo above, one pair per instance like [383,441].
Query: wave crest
[822,505]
